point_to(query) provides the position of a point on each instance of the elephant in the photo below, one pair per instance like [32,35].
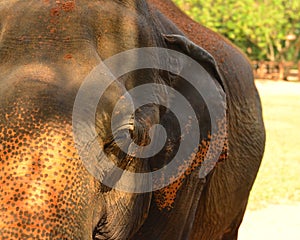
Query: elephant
[49,188]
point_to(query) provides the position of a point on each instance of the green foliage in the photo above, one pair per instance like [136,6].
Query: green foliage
[258,27]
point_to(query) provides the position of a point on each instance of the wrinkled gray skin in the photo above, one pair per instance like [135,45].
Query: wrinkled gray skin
[47,48]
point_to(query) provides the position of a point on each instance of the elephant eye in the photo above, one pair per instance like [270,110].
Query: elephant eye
[119,141]
[121,136]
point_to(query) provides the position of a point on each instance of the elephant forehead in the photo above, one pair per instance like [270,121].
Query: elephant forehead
[70,36]
[39,71]
[44,23]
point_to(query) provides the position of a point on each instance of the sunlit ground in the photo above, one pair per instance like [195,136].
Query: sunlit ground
[278,180]
[274,206]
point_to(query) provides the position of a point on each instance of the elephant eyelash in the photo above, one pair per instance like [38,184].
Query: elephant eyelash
[108,144]
[98,232]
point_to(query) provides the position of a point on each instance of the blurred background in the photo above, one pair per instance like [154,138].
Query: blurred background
[268,31]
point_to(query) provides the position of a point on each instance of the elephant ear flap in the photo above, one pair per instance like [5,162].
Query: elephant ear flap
[182,44]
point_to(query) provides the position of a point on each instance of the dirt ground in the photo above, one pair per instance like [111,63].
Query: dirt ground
[274,221]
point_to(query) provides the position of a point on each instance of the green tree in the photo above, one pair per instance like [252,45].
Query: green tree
[258,27]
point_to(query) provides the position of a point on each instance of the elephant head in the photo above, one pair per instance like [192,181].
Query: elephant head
[47,50]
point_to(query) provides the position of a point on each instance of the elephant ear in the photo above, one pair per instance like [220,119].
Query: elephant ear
[182,44]
[205,125]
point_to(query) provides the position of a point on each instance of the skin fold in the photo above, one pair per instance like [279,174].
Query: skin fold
[47,48]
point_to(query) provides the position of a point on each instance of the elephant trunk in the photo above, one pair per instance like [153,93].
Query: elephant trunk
[46,192]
